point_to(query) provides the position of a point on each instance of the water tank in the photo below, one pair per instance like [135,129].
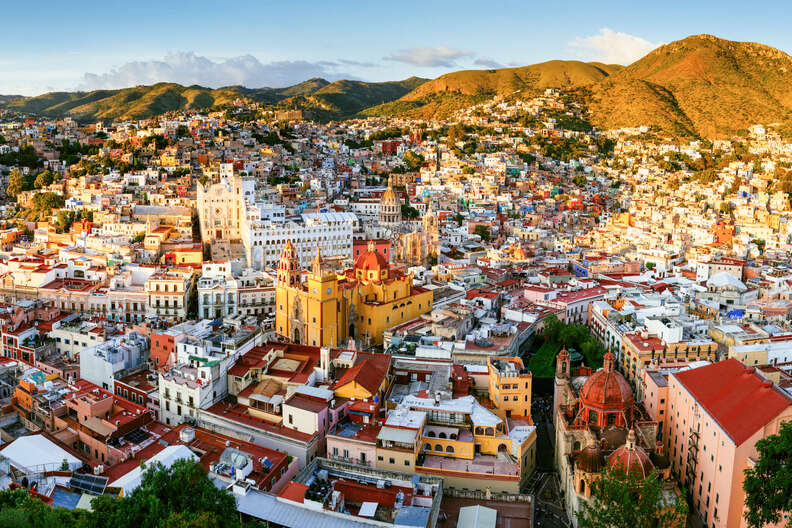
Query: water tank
[187,435]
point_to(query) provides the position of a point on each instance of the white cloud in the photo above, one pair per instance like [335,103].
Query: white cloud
[439,57]
[487,62]
[612,47]
[188,68]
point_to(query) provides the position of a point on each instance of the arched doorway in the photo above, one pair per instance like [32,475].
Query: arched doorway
[352,331]
[296,338]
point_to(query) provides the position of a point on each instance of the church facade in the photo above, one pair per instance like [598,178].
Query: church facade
[328,308]
[599,425]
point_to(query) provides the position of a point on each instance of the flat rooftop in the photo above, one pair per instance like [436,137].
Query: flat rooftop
[510,514]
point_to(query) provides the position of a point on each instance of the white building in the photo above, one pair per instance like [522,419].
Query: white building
[222,206]
[102,364]
[199,378]
[330,232]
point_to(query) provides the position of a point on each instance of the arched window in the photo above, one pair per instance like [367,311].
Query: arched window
[490,431]
[430,434]
[576,446]
[479,430]
[427,447]
[450,449]
[441,435]
[452,436]
[438,448]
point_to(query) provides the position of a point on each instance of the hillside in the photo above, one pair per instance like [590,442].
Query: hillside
[346,98]
[442,96]
[328,100]
[698,86]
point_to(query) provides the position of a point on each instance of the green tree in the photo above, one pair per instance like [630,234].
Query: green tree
[622,499]
[409,211]
[20,509]
[413,160]
[64,220]
[44,179]
[181,493]
[459,218]
[45,202]
[482,231]
[16,183]
[580,180]
[140,237]
[768,485]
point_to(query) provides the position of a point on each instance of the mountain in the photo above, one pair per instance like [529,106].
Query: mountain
[328,100]
[347,98]
[698,86]
[5,99]
[452,91]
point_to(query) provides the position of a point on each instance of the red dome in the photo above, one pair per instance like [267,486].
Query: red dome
[631,458]
[371,260]
[607,389]
[589,460]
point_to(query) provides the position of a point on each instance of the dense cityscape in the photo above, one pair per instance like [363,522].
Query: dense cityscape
[502,315]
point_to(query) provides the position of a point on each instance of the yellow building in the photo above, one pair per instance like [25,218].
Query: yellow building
[309,312]
[361,303]
[510,387]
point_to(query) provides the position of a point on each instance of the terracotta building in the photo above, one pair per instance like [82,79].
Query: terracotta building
[715,415]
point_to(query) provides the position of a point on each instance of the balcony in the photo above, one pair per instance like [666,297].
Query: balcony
[351,460]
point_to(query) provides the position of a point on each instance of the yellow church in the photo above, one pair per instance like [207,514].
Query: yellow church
[330,307]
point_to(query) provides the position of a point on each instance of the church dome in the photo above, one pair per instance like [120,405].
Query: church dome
[590,459]
[372,261]
[607,389]
[631,458]
[389,197]
[390,206]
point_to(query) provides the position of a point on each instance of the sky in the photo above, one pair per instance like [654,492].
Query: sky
[86,45]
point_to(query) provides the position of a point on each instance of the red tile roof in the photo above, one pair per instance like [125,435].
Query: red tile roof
[736,397]
[368,373]
[294,491]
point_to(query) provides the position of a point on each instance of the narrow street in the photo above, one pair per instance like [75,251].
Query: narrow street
[544,484]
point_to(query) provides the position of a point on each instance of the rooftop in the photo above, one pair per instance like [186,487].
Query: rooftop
[736,397]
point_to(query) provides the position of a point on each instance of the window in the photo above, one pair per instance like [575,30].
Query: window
[406,462]
[392,461]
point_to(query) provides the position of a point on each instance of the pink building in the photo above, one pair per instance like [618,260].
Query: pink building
[715,416]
